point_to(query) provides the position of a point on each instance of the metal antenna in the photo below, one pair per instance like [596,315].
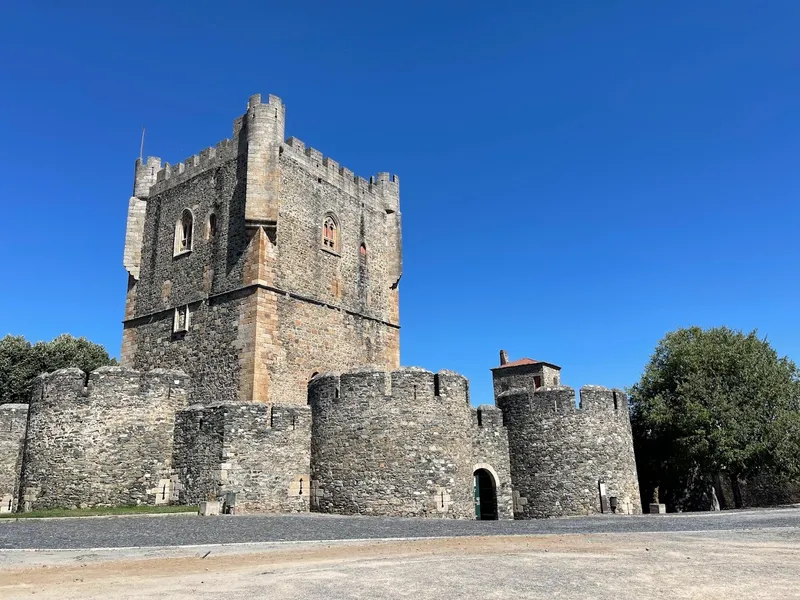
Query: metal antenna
[141,147]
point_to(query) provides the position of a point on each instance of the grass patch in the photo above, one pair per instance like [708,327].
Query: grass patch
[100,511]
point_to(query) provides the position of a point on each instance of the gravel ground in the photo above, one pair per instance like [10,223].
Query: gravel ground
[749,564]
[180,530]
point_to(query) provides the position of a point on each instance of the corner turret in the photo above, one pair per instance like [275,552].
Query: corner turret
[145,175]
[264,128]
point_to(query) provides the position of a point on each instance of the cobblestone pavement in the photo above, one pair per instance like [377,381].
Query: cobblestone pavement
[178,530]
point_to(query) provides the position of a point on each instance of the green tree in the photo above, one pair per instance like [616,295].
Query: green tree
[18,367]
[21,362]
[710,403]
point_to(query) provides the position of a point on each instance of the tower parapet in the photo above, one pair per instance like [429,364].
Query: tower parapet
[145,175]
[382,190]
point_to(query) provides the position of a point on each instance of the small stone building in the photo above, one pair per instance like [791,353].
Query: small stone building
[260,357]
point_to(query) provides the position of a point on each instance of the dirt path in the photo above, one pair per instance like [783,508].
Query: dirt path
[707,565]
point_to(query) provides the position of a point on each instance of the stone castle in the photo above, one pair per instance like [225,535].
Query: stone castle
[260,367]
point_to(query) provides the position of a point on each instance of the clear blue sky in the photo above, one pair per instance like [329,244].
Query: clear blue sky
[577,178]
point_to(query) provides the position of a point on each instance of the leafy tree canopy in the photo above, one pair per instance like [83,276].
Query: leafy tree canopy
[21,361]
[713,402]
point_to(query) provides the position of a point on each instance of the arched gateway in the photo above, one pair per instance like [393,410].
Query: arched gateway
[485,496]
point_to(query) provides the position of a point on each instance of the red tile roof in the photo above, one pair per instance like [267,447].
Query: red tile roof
[520,362]
[526,361]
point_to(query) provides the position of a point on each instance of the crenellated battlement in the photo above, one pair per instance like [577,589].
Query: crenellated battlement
[383,186]
[258,416]
[561,400]
[487,416]
[170,176]
[369,387]
[113,385]
[153,178]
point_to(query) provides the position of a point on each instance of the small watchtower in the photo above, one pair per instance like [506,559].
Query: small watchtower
[524,373]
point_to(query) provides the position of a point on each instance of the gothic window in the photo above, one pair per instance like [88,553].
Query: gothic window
[180,321]
[183,233]
[330,234]
[212,226]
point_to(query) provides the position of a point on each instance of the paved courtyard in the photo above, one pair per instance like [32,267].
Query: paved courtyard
[186,529]
[737,554]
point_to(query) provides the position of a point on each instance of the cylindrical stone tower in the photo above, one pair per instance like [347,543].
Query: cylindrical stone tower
[395,443]
[564,457]
[103,442]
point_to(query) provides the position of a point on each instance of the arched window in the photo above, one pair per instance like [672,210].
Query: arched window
[330,234]
[183,232]
[211,231]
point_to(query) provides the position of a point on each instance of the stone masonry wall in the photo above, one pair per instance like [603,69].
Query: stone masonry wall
[108,443]
[360,284]
[490,452]
[560,452]
[258,451]
[208,351]
[205,279]
[13,422]
[215,263]
[320,339]
[393,443]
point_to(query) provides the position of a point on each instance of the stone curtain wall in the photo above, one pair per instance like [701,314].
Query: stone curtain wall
[258,451]
[108,443]
[560,452]
[13,421]
[490,452]
[396,443]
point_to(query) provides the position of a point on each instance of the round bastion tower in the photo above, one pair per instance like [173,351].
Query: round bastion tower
[396,443]
[566,459]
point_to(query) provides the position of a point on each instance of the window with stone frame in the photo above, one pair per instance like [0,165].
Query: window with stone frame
[330,234]
[184,230]
[180,322]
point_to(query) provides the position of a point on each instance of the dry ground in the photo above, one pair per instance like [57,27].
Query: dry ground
[722,564]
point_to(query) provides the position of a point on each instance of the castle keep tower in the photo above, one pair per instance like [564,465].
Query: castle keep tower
[565,459]
[258,263]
